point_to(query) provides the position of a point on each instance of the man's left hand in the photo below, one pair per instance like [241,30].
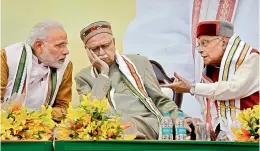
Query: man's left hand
[180,85]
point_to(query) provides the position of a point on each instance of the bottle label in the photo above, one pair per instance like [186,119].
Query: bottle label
[166,131]
[180,131]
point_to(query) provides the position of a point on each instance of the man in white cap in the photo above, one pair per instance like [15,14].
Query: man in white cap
[230,80]
[128,82]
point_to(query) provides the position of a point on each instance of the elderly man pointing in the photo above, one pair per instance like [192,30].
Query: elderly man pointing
[230,80]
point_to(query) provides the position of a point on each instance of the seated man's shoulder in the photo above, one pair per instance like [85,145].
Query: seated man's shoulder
[84,72]
[16,46]
[137,58]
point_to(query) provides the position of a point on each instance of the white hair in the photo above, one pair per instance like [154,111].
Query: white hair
[40,30]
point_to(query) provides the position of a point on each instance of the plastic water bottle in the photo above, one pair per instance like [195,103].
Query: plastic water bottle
[180,127]
[167,126]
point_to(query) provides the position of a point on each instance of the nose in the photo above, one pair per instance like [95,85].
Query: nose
[101,51]
[66,51]
[200,50]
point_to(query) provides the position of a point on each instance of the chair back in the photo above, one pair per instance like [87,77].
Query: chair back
[161,77]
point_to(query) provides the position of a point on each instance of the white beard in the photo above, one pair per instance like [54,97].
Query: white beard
[49,60]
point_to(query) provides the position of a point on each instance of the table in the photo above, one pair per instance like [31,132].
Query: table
[26,146]
[154,146]
[135,145]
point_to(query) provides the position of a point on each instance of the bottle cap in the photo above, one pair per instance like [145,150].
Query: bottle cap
[166,114]
[180,114]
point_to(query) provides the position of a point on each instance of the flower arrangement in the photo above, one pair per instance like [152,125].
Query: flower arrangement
[18,123]
[249,130]
[92,121]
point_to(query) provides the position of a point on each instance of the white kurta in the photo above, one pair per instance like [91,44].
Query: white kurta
[37,84]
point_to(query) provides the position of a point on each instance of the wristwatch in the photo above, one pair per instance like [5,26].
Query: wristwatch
[192,88]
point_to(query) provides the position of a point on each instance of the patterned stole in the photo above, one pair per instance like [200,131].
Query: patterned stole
[143,96]
[19,86]
[52,82]
[235,53]
[19,74]
[231,61]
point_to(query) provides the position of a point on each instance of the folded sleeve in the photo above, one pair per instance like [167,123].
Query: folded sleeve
[4,74]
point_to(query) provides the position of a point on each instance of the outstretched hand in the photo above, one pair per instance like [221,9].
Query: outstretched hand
[179,85]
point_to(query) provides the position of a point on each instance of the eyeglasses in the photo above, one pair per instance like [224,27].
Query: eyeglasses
[205,43]
[97,49]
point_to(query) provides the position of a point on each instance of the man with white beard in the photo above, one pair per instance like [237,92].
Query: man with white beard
[39,70]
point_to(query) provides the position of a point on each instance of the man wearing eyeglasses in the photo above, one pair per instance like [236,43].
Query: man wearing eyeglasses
[230,80]
[128,82]
[37,71]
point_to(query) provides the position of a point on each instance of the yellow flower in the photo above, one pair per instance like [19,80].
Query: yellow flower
[104,106]
[86,119]
[90,122]
[75,114]
[241,117]
[96,103]
[24,125]
[85,101]
[87,137]
[33,115]
[250,122]
[6,124]
[46,137]
[20,117]
[129,137]
[256,111]
[62,134]
[3,114]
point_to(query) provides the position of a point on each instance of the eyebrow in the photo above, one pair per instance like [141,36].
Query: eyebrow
[203,39]
[61,42]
